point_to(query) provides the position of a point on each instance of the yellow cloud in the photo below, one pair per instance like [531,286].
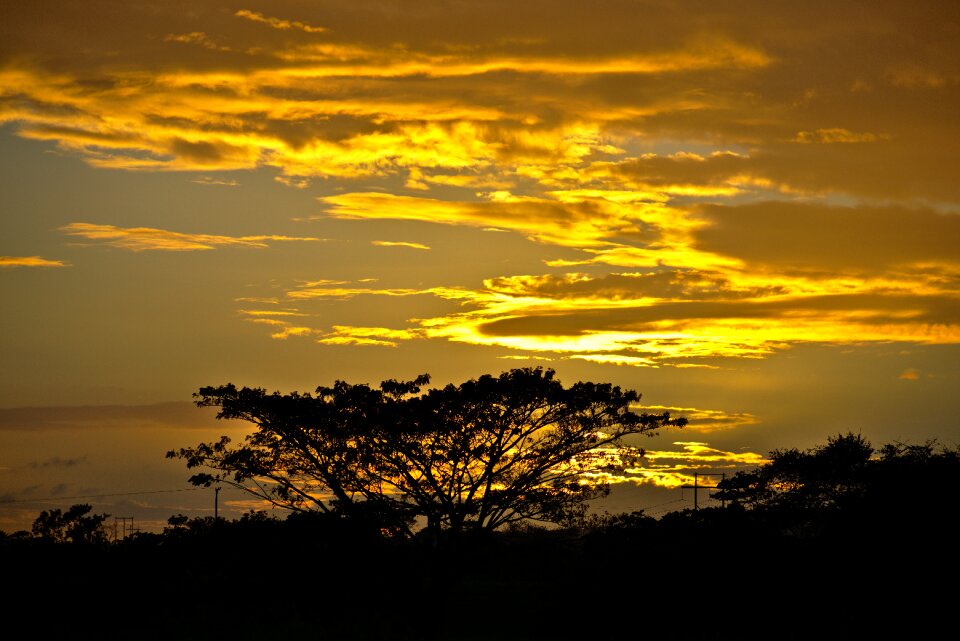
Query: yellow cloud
[30,261]
[150,239]
[704,421]
[390,243]
[675,468]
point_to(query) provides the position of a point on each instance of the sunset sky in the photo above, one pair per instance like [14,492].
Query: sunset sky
[747,211]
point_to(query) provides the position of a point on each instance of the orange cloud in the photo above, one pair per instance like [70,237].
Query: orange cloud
[30,261]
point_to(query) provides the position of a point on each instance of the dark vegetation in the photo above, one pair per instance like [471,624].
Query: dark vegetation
[837,542]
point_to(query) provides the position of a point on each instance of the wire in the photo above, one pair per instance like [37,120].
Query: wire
[650,507]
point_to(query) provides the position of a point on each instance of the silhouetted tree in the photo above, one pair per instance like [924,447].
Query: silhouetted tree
[847,487]
[73,526]
[491,451]
[824,476]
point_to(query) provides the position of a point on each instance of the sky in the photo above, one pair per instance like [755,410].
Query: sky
[747,211]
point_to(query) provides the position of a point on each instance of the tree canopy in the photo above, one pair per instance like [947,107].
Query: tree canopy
[825,476]
[847,484]
[479,455]
[75,525]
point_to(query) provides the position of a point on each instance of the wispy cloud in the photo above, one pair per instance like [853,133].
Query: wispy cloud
[30,261]
[221,182]
[198,38]
[150,239]
[277,23]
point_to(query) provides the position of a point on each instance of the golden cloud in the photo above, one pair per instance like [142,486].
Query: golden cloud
[687,172]
[673,469]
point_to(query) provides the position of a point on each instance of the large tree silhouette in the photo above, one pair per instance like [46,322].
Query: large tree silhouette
[479,455]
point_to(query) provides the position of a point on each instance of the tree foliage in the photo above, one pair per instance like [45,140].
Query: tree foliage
[847,485]
[488,452]
[824,476]
[73,526]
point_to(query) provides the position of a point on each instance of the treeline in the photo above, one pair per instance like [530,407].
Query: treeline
[840,541]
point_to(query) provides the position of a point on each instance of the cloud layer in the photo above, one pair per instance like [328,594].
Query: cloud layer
[715,181]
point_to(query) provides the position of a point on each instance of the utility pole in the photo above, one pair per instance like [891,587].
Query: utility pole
[123,521]
[216,503]
[696,487]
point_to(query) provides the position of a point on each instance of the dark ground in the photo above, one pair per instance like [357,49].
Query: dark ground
[693,578]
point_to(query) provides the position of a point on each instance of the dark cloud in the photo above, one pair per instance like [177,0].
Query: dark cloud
[57,462]
[59,489]
[199,152]
[668,170]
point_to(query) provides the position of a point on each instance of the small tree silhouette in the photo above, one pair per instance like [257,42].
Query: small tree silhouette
[73,526]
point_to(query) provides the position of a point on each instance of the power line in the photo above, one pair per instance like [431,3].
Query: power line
[696,487]
[664,510]
[650,507]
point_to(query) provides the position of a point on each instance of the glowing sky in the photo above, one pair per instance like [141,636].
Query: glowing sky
[748,210]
